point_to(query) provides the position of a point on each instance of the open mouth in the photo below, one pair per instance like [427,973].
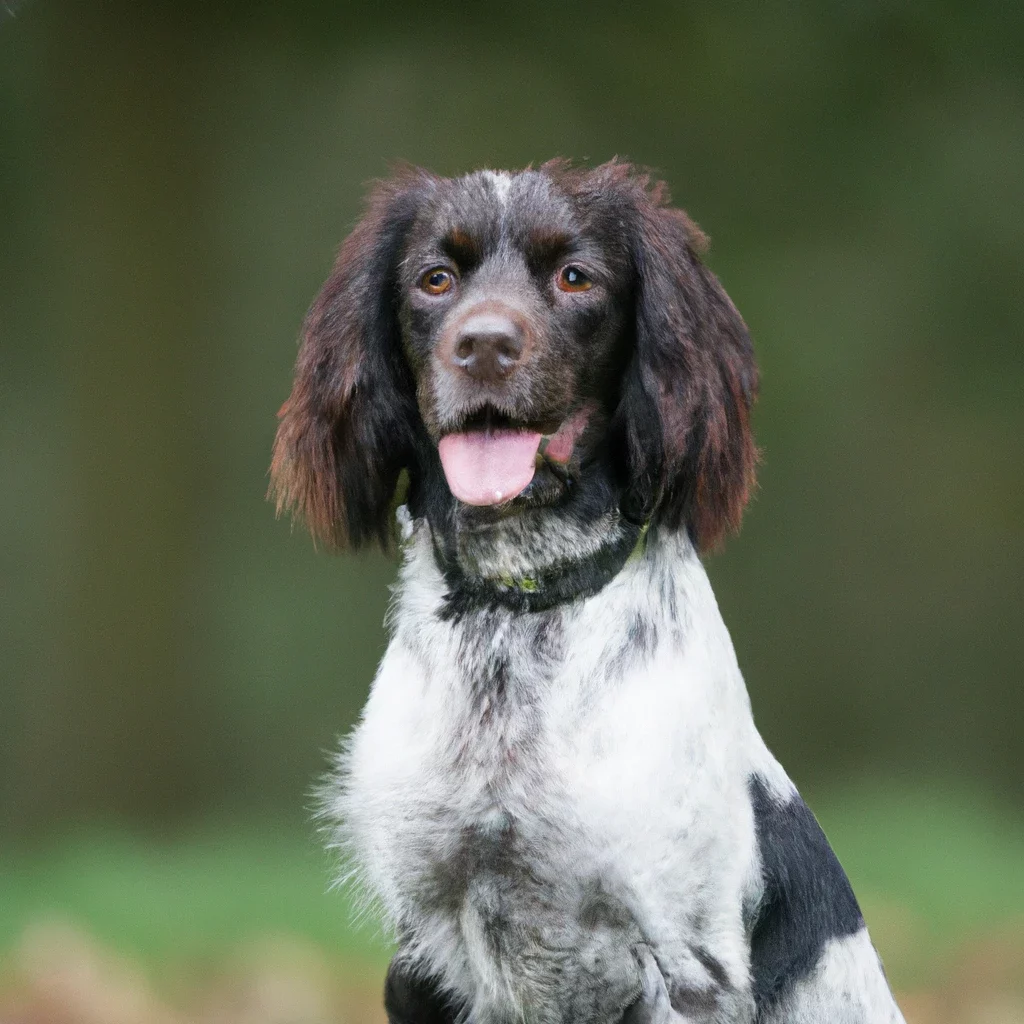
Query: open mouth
[492,458]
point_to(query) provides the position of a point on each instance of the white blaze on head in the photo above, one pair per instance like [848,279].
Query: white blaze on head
[501,182]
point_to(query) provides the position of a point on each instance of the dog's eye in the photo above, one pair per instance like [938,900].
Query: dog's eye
[572,279]
[437,281]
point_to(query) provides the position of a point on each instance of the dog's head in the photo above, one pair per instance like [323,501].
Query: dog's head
[518,343]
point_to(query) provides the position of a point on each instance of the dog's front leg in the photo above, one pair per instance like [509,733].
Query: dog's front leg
[412,997]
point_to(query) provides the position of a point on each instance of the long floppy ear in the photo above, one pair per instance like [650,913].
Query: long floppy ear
[345,432]
[687,400]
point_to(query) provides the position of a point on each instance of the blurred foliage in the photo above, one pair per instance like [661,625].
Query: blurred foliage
[174,178]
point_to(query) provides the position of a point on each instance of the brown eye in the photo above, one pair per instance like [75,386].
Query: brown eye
[572,279]
[437,281]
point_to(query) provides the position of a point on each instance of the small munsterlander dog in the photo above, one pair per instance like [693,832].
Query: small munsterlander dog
[556,794]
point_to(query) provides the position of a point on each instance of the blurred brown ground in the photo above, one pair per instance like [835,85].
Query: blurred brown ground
[59,975]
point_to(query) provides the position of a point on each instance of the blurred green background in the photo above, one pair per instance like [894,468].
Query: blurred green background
[174,663]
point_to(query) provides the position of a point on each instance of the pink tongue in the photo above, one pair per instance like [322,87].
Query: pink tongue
[488,467]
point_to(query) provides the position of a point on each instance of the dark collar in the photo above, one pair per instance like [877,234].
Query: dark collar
[553,585]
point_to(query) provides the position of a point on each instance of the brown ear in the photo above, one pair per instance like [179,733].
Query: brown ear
[345,432]
[694,380]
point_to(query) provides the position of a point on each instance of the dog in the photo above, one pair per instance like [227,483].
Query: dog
[556,794]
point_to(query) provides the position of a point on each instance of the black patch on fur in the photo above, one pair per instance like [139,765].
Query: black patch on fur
[494,682]
[549,638]
[490,688]
[411,997]
[693,1001]
[601,909]
[639,642]
[712,965]
[701,999]
[807,897]
[479,851]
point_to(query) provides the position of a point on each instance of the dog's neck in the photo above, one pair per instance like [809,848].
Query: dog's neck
[531,561]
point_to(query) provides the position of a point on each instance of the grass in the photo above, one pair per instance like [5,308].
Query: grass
[187,899]
[937,869]
[953,857]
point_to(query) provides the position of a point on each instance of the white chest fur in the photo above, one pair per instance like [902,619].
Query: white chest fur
[522,788]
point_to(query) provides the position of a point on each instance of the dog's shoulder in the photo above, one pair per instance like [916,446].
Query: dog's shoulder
[806,898]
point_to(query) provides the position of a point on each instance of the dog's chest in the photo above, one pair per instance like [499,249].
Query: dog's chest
[525,752]
[530,796]
[472,787]
[485,814]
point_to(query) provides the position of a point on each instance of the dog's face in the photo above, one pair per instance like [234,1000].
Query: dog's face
[547,339]
[512,310]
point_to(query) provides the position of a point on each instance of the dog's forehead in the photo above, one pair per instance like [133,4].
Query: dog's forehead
[491,207]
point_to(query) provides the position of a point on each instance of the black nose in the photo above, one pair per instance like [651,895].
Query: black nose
[488,345]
